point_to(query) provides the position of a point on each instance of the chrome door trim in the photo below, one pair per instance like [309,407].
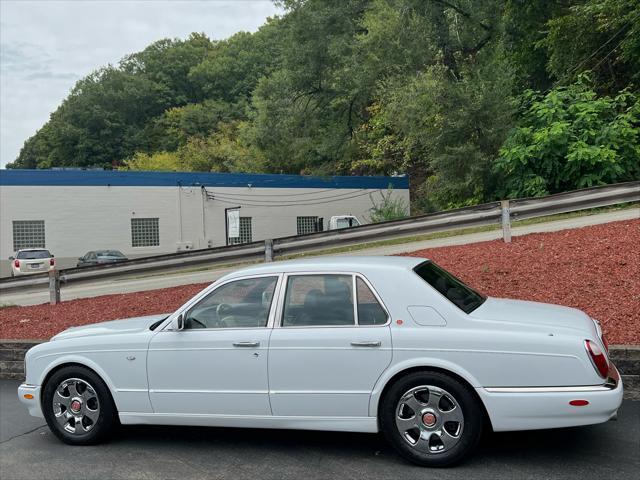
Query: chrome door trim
[576,389]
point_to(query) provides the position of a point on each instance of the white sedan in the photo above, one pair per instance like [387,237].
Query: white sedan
[391,344]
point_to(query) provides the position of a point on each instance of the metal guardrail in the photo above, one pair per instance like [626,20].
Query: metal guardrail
[486,214]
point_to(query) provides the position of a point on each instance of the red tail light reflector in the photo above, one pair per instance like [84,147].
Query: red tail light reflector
[52,262]
[578,403]
[598,358]
[16,263]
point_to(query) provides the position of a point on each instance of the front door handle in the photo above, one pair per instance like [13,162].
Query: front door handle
[246,344]
[366,344]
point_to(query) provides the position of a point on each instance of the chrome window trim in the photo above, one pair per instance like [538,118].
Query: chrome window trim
[285,278]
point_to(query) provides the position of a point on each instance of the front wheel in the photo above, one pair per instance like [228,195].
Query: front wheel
[78,406]
[431,419]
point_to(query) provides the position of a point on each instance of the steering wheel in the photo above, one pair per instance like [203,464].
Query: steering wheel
[223,310]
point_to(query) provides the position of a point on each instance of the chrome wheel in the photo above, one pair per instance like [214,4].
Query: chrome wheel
[75,406]
[429,419]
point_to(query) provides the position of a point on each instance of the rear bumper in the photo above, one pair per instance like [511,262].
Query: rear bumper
[548,407]
[33,404]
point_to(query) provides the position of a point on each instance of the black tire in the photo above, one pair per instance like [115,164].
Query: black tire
[469,430]
[100,406]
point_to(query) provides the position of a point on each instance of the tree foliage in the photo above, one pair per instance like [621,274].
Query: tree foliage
[429,88]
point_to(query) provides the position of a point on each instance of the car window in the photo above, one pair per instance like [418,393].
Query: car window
[318,300]
[238,304]
[370,312]
[33,255]
[461,295]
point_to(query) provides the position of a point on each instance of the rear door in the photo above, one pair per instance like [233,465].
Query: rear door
[325,353]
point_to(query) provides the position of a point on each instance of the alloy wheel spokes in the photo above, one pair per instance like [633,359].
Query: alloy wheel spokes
[429,419]
[76,407]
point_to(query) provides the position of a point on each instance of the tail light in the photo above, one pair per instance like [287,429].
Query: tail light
[598,358]
[16,263]
[52,262]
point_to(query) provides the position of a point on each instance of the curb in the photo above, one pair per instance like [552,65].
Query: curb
[626,358]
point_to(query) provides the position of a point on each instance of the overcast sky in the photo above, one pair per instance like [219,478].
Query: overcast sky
[47,45]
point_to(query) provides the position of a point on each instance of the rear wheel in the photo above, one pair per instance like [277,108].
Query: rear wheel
[431,418]
[78,406]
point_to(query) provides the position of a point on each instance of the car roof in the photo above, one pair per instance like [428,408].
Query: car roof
[332,263]
[33,250]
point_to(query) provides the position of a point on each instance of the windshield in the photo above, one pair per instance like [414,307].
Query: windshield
[110,253]
[33,254]
[461,295]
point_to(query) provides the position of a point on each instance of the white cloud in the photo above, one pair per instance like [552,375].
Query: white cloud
[46,46]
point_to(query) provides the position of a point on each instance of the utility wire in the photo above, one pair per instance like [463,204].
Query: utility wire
[243,203]
[224,196]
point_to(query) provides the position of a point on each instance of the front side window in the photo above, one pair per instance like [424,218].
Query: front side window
[318,300]
[28,234]
[461,295]
[238,304]
[370,312]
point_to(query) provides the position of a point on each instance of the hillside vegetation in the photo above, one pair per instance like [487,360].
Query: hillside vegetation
[474,99]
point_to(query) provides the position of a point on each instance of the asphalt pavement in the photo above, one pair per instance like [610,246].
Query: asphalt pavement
[29,451]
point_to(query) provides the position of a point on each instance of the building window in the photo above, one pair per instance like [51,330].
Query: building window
[246,234]
[145,232]
[307,225]
[28,234]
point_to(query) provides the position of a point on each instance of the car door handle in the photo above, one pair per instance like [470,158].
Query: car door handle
[246,344]
[366,344]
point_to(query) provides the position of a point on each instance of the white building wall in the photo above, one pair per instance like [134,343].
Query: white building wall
[82,218]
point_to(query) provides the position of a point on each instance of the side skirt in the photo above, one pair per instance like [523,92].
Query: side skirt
[335,424]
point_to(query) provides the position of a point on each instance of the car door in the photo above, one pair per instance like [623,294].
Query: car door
[325,353]
[218,363]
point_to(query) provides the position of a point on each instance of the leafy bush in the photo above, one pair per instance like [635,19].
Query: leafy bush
[571,138]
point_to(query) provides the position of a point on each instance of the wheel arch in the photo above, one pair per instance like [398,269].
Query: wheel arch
[390,377]
[77,362]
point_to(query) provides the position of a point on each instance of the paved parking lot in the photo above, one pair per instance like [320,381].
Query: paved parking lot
[29,451]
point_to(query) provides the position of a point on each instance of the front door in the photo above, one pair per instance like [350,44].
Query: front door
[325,355]
[218,363]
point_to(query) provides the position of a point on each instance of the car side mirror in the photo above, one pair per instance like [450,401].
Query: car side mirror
[178,323]
[12,258]
[81,259]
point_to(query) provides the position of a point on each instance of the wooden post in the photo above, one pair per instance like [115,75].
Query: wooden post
[506,221]
[268,250]
[54,286]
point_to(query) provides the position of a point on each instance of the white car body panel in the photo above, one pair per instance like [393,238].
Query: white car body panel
[525,360]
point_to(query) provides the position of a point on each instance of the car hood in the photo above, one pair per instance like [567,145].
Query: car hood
[129,325]
[534,314]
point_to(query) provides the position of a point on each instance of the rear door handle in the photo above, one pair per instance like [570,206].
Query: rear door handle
[366,344]
[246,344]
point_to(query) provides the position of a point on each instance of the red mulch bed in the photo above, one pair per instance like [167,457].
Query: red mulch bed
[596,269]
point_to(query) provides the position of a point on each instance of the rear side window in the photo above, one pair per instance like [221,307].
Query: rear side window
[318,300]
[461,295]
[370,312]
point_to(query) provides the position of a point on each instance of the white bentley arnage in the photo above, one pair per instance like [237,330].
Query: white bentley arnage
[365,344]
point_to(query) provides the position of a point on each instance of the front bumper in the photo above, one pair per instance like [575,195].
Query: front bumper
[29,395]
[535,408]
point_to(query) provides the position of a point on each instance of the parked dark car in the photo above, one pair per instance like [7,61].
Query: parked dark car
[99,257]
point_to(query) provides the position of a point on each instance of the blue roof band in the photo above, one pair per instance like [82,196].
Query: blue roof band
[118,178]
